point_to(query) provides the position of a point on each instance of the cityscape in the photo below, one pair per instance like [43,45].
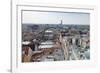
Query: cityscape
[55,42]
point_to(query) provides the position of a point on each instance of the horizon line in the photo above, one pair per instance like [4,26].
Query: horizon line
[53,24]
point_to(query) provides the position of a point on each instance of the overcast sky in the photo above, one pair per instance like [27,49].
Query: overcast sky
[38,17]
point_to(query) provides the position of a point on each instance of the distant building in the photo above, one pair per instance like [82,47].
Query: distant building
[48,35]
[61,25]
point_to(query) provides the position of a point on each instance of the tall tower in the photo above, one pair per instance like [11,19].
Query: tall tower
[61,22]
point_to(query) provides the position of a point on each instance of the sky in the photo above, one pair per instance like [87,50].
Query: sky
[40,17]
